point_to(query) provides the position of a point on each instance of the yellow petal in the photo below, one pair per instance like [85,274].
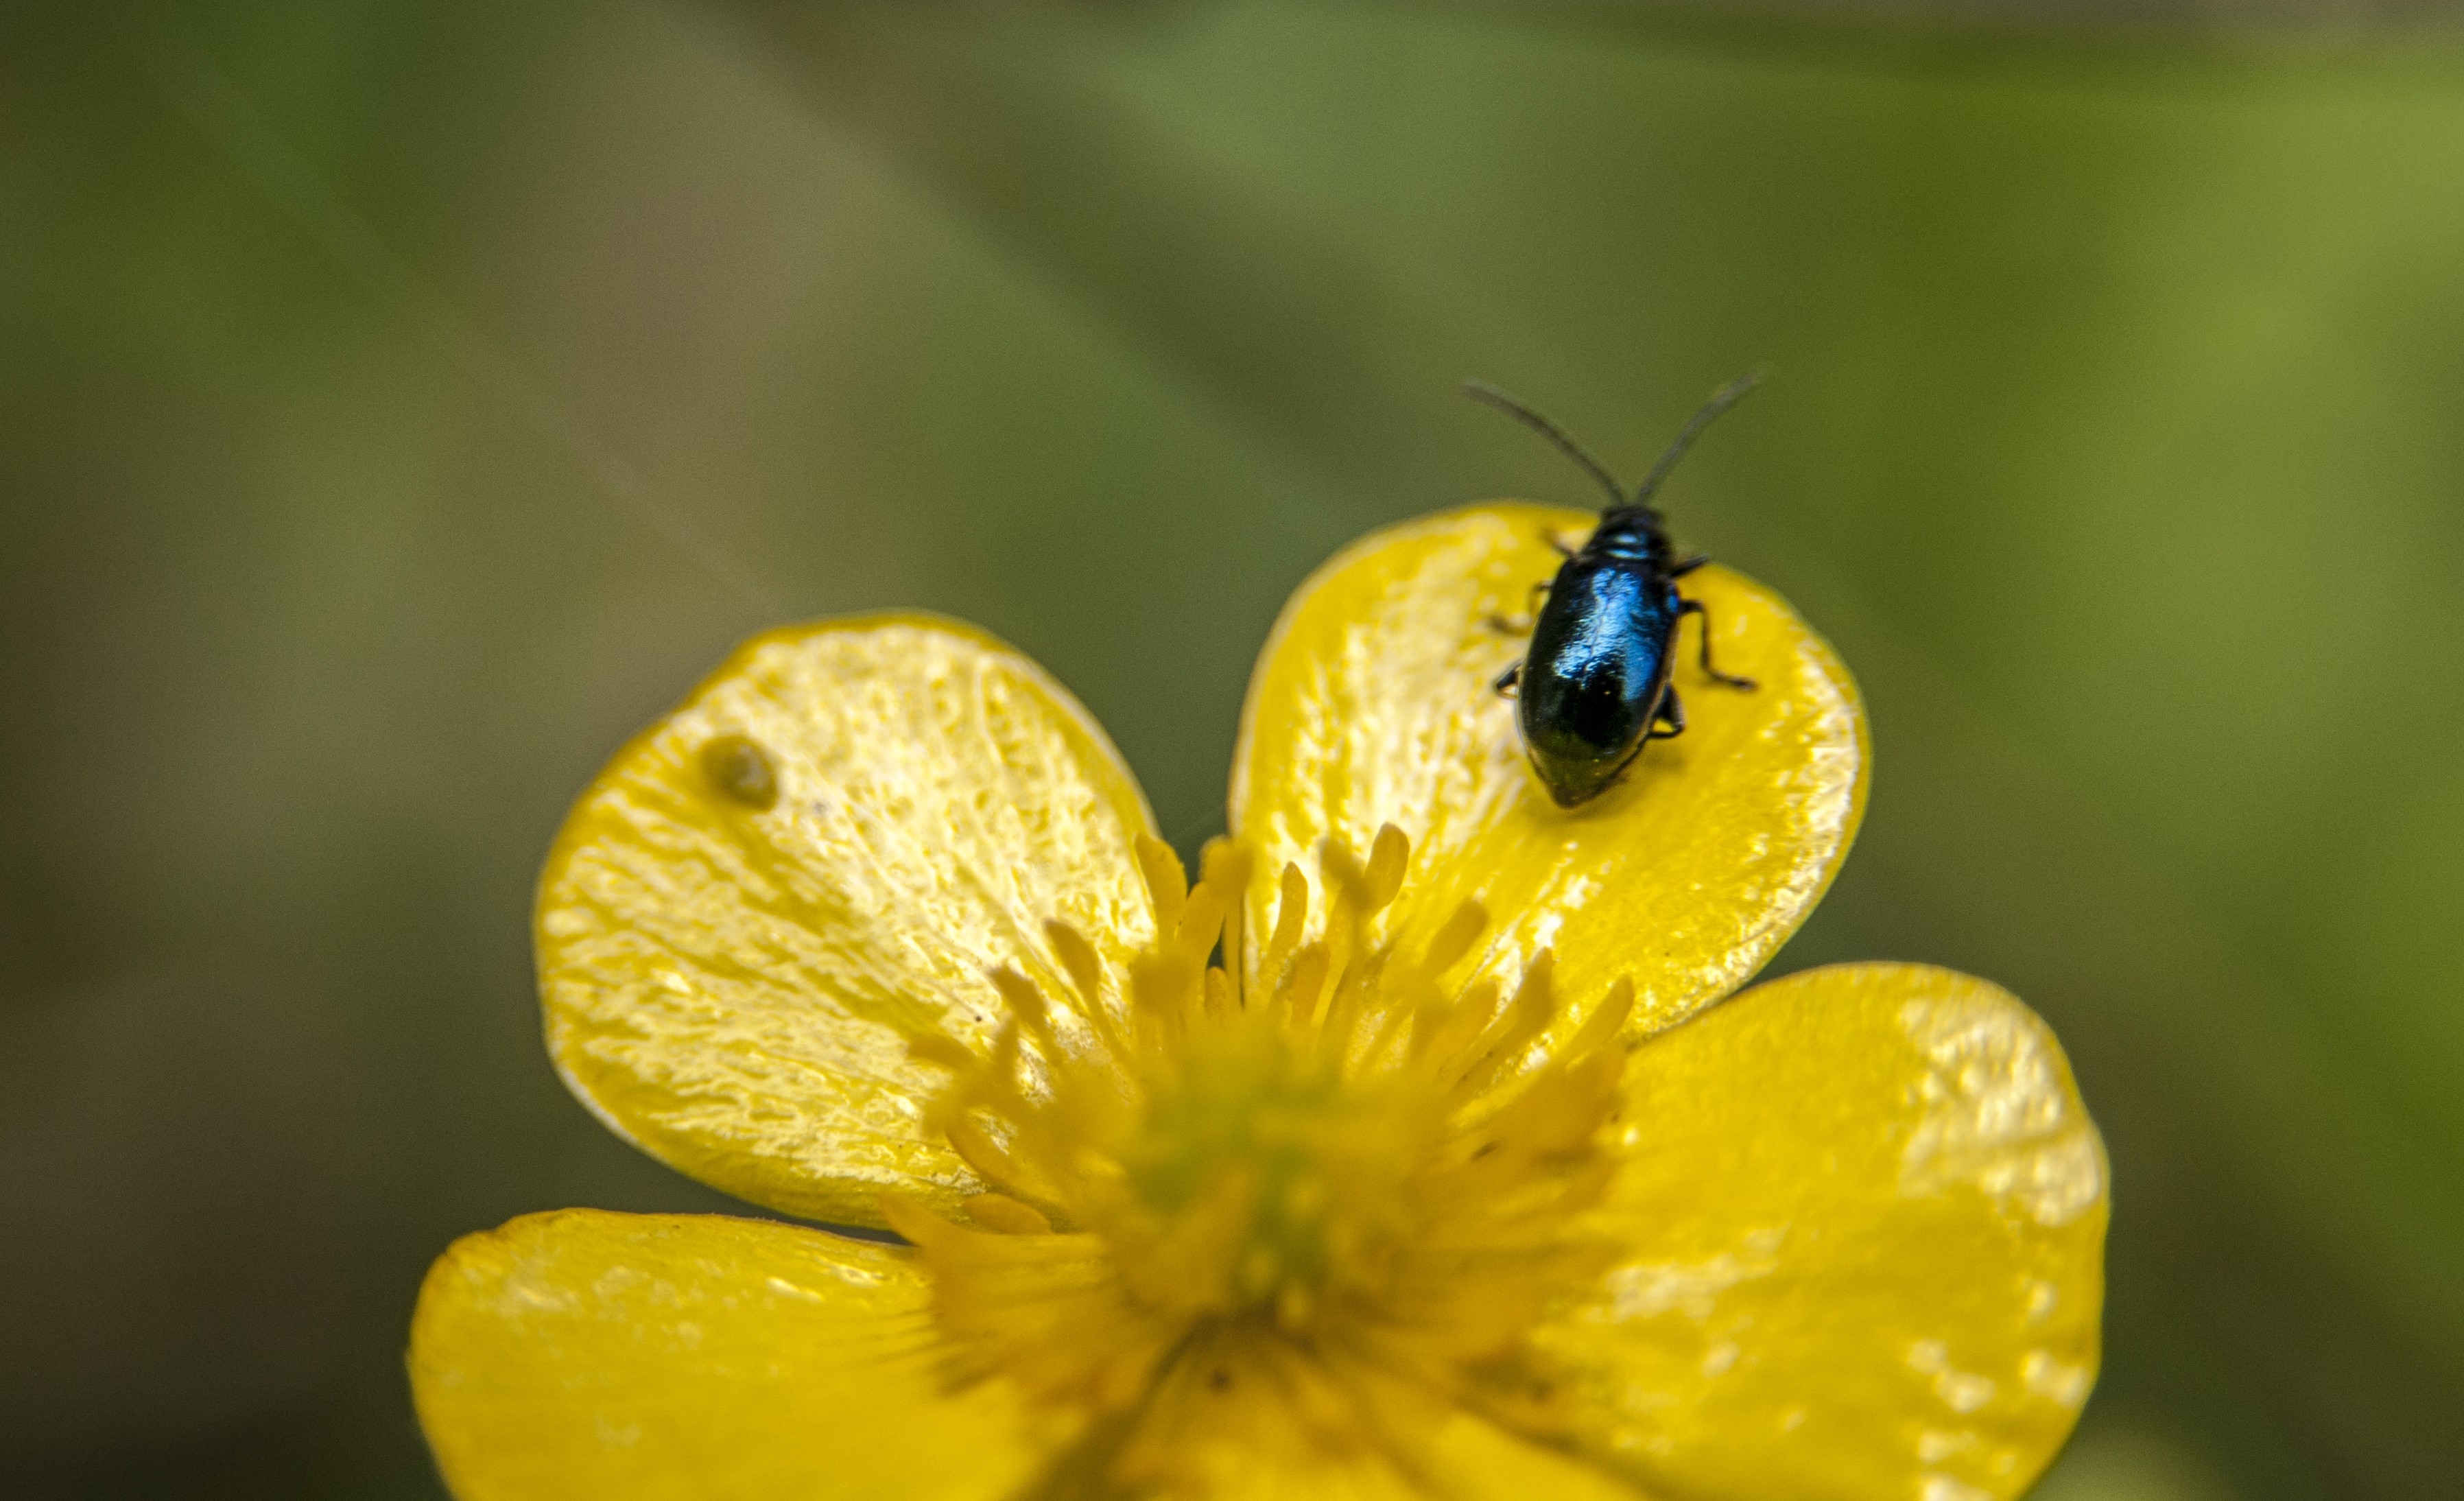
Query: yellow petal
[1481,1460]
[823,852]
[636,1357]
[1373,704]
[1465,1458]
[1862,1217]
[1270,1424]
[629,1358]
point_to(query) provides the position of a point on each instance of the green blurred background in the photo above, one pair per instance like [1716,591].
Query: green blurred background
[400,403]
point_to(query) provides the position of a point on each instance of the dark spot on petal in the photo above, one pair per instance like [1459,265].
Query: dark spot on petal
[1218,1379]
[1483,1149]
[740,770]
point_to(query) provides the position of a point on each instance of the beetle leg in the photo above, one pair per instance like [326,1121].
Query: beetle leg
[1670,713]
[1686,606]
[1521,624]
[1687,564]
[1506,680]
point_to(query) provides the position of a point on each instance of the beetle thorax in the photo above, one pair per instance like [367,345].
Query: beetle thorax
[1633,534]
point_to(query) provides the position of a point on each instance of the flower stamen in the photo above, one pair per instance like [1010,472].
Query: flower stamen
[1369,1179]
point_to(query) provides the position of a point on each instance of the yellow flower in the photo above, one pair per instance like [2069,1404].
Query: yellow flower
[1446,1179]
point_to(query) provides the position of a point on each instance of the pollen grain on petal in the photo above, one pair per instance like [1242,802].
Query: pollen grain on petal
[740,770]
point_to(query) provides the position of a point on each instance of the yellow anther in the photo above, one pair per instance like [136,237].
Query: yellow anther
[1164,991]
[1201,923]
[1292,915]
[1223,868]
[1296,991]
[1446,1035]
[1009,1216]
[1406,998]
[1562,1108]
[1523,1020]
[1342,945]
[1224,863]
[995,1165]
[935,1048]
[1086,970]
[1606,1021]
[1455,939]
[1358,981]
[1078,957]
[912,1220]
[1388,857]
[1338,867]
[1030,1010]
[981,1152]
[1167,883]
[1026,1002]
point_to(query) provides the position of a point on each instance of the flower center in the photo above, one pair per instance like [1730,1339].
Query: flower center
[1258,1179]
[1338,1175]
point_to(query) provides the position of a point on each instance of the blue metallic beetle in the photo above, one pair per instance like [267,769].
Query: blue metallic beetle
[1593,686]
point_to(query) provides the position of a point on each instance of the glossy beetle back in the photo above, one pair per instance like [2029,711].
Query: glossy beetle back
[1593,684]
[1596,672]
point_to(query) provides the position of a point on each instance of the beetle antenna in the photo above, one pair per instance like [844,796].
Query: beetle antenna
[1482,391]
[1725,397]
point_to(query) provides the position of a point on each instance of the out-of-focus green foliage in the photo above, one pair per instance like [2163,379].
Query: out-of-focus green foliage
[401,403]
